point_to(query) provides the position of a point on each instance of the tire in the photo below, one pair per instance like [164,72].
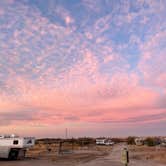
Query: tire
[13,154]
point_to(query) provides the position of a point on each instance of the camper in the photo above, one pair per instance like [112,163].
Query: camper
[163,142]
[14,147]
[104,141]
[139,141]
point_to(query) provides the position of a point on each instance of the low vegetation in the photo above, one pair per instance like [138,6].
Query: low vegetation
[131,140]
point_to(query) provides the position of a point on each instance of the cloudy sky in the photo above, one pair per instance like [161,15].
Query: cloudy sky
[96,67]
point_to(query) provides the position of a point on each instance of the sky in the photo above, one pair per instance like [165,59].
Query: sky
[95,67]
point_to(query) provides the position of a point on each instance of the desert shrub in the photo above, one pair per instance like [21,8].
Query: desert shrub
[131,140]
[47,140]
[150,141]
[85,141]
[118,140]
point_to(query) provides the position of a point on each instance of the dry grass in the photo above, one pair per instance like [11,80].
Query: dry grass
[148,153]
[80,154]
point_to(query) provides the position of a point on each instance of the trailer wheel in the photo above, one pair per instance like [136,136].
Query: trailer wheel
[13,154]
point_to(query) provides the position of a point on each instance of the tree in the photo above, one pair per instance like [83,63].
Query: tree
[150,141]
[131,140]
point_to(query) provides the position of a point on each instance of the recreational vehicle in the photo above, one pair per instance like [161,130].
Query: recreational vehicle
[104,141]
[139,141]
[163,142]
[14,147]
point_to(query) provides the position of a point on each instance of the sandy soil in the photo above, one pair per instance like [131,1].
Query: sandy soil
[94,156]
[154,155]
[113,159]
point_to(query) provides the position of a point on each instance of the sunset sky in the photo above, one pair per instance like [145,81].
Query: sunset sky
[96,67]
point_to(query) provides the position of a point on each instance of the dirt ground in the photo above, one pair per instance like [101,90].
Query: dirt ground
[148,154]
[93,156]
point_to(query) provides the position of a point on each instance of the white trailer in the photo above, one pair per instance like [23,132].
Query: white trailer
[100,141]
[14,147]
[104,141]
[139,141]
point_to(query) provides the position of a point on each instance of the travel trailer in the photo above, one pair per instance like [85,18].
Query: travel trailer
[139,141]
[14,147]
[104,141]
[163,141]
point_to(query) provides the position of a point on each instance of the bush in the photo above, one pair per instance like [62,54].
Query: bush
[118,140]
[85,141]
[150,141]
[131,140]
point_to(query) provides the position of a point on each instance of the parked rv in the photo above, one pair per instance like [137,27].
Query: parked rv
[163,142]
[139,141]
[104,141]
[14,147]
[100,141]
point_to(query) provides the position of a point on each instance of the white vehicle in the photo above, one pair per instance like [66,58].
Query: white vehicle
[14,147]
[104,141]
[100,141]
[139,141]
[163,142]
[109,142]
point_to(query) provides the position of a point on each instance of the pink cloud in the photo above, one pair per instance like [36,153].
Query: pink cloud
[161,80]
[68,20]
[152,62]
[86,95]
[63,13]
[94,6]
[1,11]
[108,58]
[89,35]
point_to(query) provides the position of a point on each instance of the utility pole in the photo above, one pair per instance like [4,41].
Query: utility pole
[66,133]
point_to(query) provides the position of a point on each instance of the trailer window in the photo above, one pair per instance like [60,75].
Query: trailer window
[29,141]
[15,142]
